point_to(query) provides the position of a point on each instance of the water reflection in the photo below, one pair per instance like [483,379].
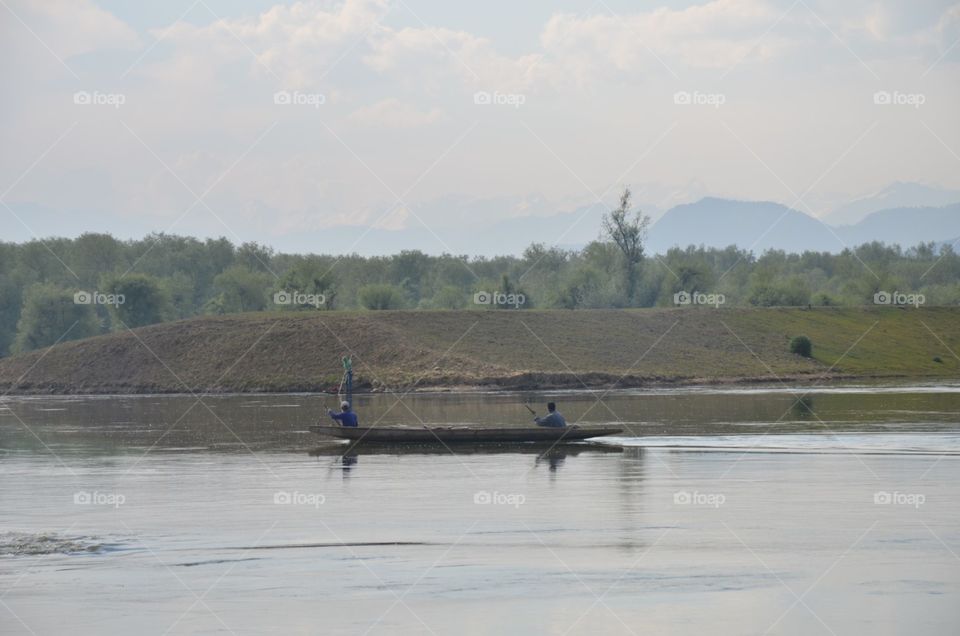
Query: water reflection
[802,408]
[551,456]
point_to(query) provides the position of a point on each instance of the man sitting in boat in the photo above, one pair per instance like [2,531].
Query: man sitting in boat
[346,417]
[553,418]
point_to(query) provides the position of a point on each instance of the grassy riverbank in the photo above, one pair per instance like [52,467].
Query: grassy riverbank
[290,351]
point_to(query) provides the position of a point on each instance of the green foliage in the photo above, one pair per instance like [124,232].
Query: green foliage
[186,276]
[49,315]
[511,295]
[380,296]
[823,300]
[448,297]
[240,289]
[312,278]
[144,301]
[792,293]
[801,346]
[628,234]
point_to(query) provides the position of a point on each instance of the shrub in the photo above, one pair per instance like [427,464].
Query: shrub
[448,297]
[145,301]
[801,346]
[52,314]
[380,296]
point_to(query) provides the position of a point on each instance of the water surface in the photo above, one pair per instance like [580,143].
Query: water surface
[731,511]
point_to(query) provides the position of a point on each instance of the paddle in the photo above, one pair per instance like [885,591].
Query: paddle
[532,412]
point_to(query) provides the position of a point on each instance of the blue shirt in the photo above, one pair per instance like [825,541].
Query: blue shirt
[553,420]
[346,418]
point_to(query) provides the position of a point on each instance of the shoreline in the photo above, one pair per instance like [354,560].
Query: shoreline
[510,386]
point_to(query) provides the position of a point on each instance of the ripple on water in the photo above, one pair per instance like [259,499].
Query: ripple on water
[40,543]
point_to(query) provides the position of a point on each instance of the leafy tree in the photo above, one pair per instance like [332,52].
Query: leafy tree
[91,255]
[255,256]
[628,234]
[311,277]
[512,294]
[241,289]
[144,301]
[409,269]
[179,288]
[50,314]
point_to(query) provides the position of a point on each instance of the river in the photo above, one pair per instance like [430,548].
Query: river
[799,510]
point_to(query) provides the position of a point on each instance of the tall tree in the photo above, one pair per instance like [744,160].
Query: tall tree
[628,232]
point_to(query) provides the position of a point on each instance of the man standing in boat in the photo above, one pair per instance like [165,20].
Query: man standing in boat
[553,418]
[346,416]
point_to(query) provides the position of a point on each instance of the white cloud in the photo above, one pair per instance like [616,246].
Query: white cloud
[299,43]
[392,113]
[67,27]
[712,35]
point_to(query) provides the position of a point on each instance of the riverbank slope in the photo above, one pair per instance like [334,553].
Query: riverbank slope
[399,350]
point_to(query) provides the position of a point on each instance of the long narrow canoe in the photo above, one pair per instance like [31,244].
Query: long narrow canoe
[449,434]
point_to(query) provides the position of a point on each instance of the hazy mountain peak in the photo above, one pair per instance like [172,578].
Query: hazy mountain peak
[899,194]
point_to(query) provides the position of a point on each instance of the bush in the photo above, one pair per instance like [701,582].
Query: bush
[52,314]
[823,300]
[380,296]
[448,297]
[145,301]
[801,346]
[793,293]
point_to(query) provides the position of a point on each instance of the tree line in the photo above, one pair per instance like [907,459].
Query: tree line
[63,289]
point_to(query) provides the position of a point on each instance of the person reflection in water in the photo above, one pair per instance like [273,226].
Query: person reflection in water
[555,458]
[346,417]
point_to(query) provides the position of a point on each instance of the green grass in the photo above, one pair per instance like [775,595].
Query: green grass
[290,351]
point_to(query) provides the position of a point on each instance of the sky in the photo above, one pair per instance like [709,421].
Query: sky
[285,123]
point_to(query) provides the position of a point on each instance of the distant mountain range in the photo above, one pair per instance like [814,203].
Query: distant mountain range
[895,195]
[759,226]
[903,213]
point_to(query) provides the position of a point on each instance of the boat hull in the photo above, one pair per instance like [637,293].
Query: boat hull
[457,434]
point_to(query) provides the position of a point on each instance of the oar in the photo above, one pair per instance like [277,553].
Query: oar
[532,412]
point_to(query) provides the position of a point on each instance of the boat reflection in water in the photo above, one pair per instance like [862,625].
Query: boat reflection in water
[346,456]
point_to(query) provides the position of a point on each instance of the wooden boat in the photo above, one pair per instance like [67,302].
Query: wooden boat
[546,450]
[457,434]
